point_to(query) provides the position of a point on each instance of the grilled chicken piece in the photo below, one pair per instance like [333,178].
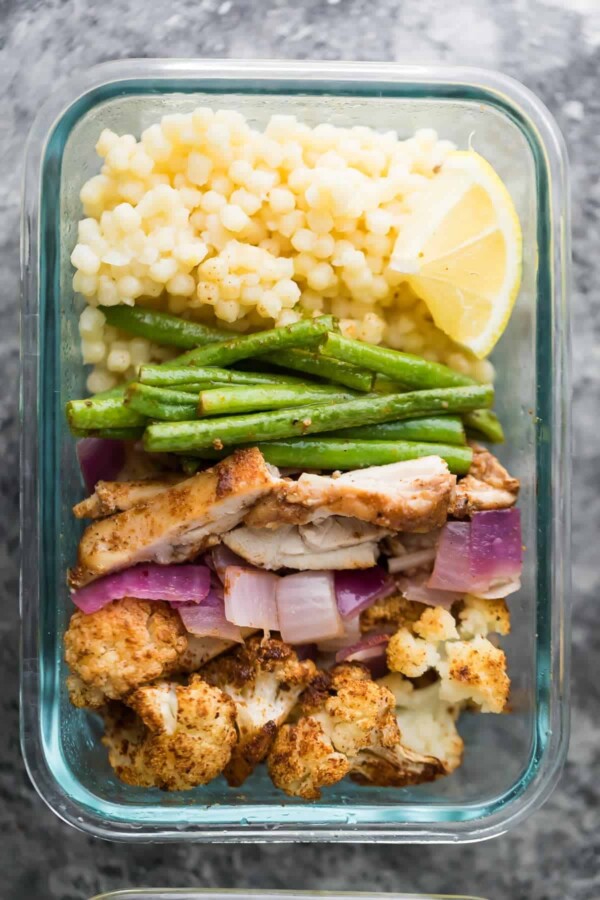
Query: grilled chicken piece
[404,496]
[111,497]
[487,486]
[334,543]
[178,523]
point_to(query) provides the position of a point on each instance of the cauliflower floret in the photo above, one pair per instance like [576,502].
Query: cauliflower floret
[483,617]
[264,678]
[391,612]
[410,655]
[348,726]
[427,722]
[436,624]
[472,669]
[303,760]
[182,736]
[351,708]
[475,670]
[124,736]
[125,644]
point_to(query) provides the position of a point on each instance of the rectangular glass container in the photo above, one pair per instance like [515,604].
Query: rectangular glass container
[511,761]
[207,894]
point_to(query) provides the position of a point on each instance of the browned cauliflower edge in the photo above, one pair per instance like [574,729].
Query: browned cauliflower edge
[125,644]
[471,669]
[347,726]
[171,736]
[264,678]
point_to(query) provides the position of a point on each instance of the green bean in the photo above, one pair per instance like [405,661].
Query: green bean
[306,333]
[107,412]
[411,371]
[329,369]
[327,453]
[115,434]
[486,423]
[383,385]
[201,386]
[159,376]
[162,328]
[436,429]
[154,403]
[118,391]
[161,395]
[278,424]
[219,402]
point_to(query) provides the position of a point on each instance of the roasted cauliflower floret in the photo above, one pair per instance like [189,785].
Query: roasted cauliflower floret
[475,671]
[348,726]
[410,655]
[483,617]
[182,736]
[264,678]
[470,670]
[303,760]
[390,613]
[427,722]
[119,647]
[352,709]
[125,737]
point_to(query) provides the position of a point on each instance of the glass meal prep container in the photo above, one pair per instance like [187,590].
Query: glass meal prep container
[207,894]
[511,761]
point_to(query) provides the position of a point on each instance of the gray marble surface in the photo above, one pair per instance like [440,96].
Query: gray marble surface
[554,47]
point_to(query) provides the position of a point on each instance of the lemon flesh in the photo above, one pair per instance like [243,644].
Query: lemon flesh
[461,250]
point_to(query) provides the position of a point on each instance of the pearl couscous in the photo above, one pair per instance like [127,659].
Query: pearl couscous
[212,219]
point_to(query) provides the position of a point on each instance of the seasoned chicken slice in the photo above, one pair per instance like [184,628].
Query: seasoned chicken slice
[116,496]
[404,496]
[487,486]
[178,523]
[334,543]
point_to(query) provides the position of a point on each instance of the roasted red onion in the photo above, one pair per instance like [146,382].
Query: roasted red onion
[307,608]
[207,619]
[100,459]
[357,589]
[250,598]
[176,584]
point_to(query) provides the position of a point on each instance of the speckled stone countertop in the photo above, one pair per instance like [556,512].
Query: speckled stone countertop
[553,46]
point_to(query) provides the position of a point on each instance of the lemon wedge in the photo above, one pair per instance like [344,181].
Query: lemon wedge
[461,249]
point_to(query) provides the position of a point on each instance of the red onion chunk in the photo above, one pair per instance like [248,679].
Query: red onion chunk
[416,589]
[358,589]
[251,598]
[175,584]
[100,459]
[480,556]
[370,651]
[496,546]
[307,608]
[207,619]
[350,636]
[451,571]
[222,557]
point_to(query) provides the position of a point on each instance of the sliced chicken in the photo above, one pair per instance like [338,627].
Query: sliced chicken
[334,543]
[178,523]
[487,486]
[404,496]
[111,497]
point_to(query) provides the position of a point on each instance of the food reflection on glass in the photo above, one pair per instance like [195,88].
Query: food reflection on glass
[300,550]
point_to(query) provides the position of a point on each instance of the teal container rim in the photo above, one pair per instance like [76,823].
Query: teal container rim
[185,893]
[427,822]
